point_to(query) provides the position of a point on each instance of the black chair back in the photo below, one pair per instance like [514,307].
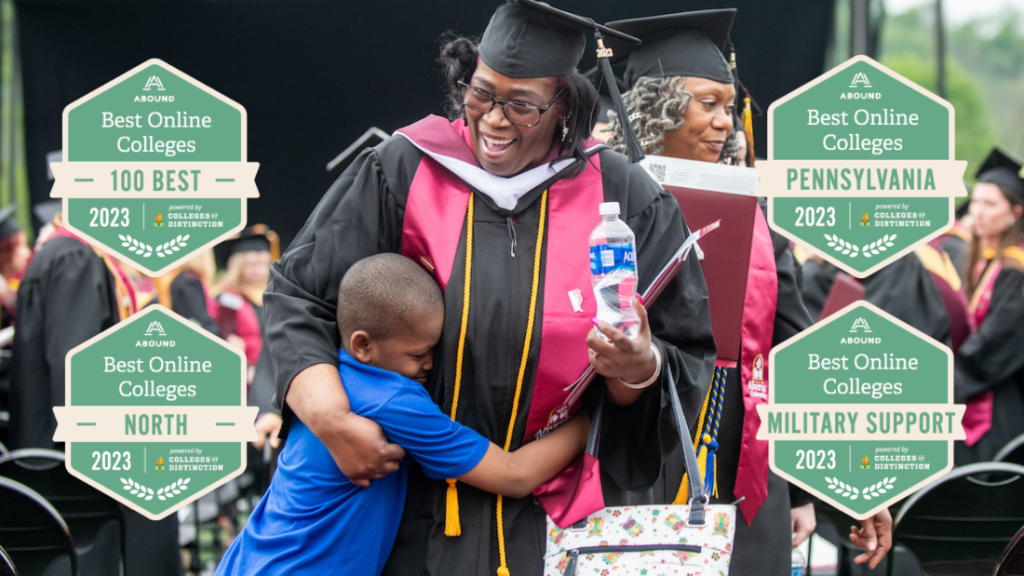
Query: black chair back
[1011,562]
[94,518]
[32,531]
[961,523]
[1012,453]
[6,564]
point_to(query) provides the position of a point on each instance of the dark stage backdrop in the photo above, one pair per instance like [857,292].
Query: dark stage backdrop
[314,75]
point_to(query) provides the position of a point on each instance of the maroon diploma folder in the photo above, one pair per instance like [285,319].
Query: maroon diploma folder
[845,291]
[706,193]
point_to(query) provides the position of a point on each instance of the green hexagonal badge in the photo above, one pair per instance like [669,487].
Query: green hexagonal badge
[155,412]
[860,412]
[861,166]
[154,167]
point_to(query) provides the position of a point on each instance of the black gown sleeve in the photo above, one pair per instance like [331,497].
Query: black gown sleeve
[359,216]
[818,278]
[638,438]
[906,290]
[791,316]
[188,298]
[66,297]
[262,390]
[992,355]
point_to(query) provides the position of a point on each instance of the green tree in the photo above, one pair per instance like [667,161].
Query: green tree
[974,133]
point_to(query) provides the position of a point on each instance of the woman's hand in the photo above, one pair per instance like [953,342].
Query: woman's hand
[621,358]
[357,445]
[268,424]
[803,522]
[875,534]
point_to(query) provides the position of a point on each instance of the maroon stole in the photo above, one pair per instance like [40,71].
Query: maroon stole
[435,216]
[758,328]
[977,418]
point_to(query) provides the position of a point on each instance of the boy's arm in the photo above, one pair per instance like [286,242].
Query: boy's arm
[517,474]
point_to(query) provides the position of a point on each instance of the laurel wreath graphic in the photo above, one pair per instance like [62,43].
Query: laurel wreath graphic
[161,250]
[140,491]
[868,250]
[848,491]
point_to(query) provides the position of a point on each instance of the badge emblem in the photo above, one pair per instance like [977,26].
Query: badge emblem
[576,297]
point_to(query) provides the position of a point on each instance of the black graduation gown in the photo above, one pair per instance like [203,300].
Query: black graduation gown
[959,251]
[991,359]
[6,319]
[904,289]
[764,547]
[66,297]
[362,215]
[188,298]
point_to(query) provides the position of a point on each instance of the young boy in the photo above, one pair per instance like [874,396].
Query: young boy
[313,520]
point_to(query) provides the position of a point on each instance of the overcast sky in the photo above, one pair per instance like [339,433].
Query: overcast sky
[958,11]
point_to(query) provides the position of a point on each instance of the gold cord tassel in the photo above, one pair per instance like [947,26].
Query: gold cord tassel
[683,495]
[502,565]
[452,524]
[748,128]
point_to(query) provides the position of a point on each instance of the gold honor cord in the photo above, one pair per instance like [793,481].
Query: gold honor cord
[715,397]
[503,567]
[452,525]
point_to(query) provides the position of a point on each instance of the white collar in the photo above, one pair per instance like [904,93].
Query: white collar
[505,192]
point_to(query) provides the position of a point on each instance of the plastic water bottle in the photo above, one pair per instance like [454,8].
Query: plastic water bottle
[613,270]
[798,562]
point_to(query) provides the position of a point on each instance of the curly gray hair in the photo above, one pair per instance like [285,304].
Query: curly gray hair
[731,150]
[655,106]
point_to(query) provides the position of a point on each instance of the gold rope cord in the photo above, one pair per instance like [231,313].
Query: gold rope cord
[503,567]
[452,524]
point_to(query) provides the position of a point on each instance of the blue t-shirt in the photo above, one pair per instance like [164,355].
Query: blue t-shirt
[313,520]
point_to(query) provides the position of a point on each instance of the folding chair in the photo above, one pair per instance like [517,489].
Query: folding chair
[1011,561]
[95,519]
[961,523]
[1013,452]
[32,531]
[6,564]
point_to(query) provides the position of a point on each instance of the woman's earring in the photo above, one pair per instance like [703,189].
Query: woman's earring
[565,130]
[1011,221]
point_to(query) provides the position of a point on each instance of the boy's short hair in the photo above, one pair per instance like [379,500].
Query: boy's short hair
[382,294]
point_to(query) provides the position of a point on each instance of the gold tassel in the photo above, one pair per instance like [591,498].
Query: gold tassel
[748,128]
[452,525]
[683,495]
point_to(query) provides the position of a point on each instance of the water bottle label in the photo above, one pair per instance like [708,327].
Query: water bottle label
[605,259]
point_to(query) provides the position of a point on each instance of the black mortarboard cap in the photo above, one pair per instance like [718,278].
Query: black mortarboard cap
[681,44]
[46,211]
[1005,172]
[247,241]
[8,222]
[530,39]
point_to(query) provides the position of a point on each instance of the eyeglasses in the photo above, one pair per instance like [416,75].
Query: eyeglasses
[520,113]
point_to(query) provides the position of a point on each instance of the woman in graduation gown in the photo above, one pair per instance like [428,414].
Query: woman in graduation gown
[14,256]
[989,369]
[681,105]
[498,205]
[71,292]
